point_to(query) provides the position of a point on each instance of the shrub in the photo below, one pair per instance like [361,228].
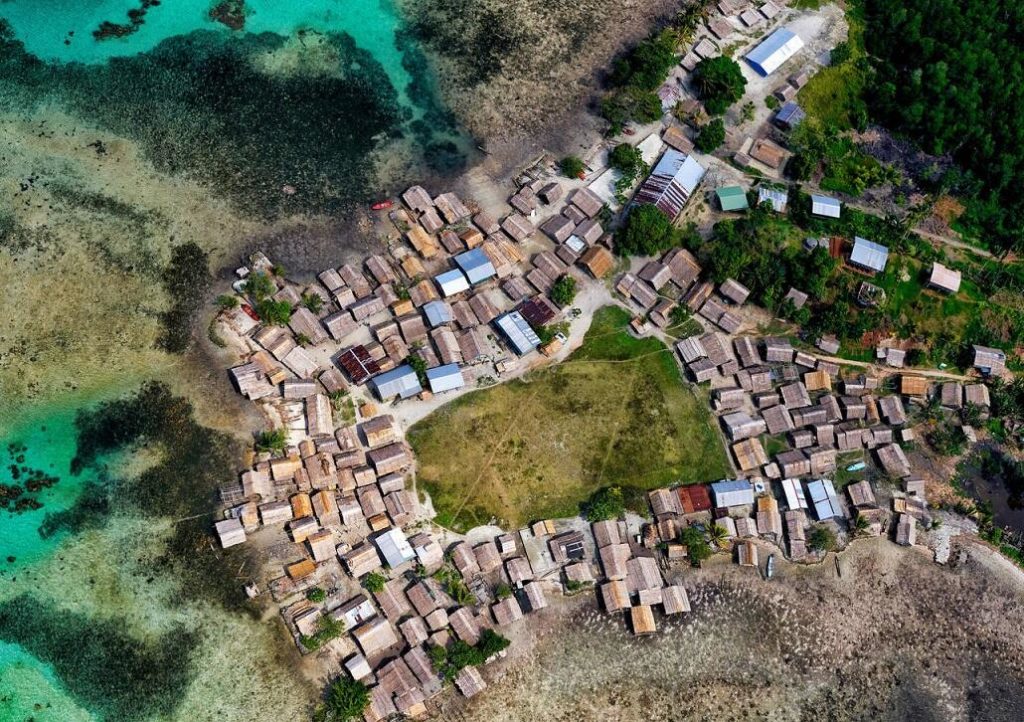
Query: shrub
[276,313]
[329,628]
[347,698]
[710,136]
[274,440]
[502,591]
[313,302]
[719,82]
[374,582]
[821,538]
[772,102]
[572,167]
[316,595]
[697,547]
[647,232]
[606,503]
[564,290]
[227,301]
[260,285]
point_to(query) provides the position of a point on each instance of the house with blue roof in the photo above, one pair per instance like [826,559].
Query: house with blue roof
[476,266]
[774,51]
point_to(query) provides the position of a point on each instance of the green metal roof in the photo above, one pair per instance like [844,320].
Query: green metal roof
[732,198]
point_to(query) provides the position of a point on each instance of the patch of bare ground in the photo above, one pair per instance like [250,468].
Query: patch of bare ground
[896,637]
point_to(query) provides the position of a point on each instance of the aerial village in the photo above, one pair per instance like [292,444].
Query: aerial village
[458,300]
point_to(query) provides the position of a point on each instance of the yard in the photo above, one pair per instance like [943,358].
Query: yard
[615,413]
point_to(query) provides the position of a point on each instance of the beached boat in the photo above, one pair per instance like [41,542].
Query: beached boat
[769,568]
[250,312]
[381,205]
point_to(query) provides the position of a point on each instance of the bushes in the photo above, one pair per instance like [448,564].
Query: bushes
[630,163]
[821,538]
[571,167]
[606,503]
[329,628]
[259,286]
[647,232]
[313,302]
[710,136]
[719,82]
[186,279]
[635,77]
[275,313]
[274,440]
[346,699]
[453,659]
[316,595]
[374,582]
[697,547]
[564,290]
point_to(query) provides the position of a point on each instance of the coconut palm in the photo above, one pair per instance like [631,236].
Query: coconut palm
[718,534]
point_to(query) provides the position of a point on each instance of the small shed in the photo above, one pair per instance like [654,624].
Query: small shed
[944,279]
[868,255]
[825,206]
[445,378]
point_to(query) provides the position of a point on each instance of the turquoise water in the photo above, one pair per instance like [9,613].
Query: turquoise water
[30,689]
[49,435]
[44,27]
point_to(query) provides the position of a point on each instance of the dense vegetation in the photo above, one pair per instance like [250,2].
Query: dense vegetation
[452,659]
[948,74]
[564,290]
[629,161]
[719,82]
[710,136]
[646,232]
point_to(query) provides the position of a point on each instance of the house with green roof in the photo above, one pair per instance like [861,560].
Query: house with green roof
[732,198]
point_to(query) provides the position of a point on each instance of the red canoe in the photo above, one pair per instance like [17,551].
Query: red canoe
[249,312]
[381,206]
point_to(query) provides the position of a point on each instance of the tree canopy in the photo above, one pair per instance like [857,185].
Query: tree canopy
[647,232]
[949,75]
[710,136]
[720,83]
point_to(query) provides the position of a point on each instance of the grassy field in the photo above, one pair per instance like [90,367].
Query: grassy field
[615,413]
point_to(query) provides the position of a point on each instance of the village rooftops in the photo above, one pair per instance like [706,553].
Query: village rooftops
[825,206]
[989,360]
[731,493]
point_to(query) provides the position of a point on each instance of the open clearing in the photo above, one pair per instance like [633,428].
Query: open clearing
[615,413]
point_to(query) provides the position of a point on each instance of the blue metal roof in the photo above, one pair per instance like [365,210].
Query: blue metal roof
[868,254]
[775,50]
[476,265]
[401,381]
[790,113]
[445,378]
[437,313]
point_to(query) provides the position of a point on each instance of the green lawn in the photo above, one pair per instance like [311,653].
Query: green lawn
[615,413]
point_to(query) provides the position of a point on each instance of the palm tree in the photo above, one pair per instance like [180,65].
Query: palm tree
[718,534]
[860,525]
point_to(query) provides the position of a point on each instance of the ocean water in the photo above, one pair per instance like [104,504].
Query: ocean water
[61,30]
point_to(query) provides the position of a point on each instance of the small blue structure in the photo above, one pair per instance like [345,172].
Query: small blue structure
[437,313]
[520,336]
[445,378]
[774,50]
[869,255]
[476,265]
[790,115]
[401,382]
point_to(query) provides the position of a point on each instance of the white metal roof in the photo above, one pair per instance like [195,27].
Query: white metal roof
[823,496]
[401,381]
[825,206]
[394,547]
[777,198]
[437,313]
[476,265]
[451,282]
[869,254]
[775,50]
[445,378]
[732,493]
[795,498]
